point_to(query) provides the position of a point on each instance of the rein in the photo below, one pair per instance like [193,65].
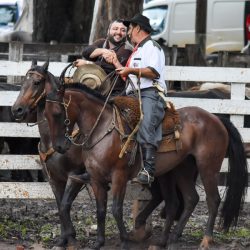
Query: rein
[84,144]
[123,150]
[87,138]
[36,123]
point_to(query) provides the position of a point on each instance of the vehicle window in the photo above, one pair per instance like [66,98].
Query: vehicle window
[157,16]
[8,14]
[231,20]
[184,17]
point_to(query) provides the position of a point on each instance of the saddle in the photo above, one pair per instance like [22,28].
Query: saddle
[129,111]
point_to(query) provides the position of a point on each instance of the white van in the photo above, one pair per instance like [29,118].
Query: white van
[10,12]
[16,20]
[174,22]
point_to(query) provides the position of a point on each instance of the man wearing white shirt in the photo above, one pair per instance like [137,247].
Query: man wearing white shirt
[146,62]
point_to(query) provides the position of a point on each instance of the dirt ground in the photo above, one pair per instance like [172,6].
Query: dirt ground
[34,224]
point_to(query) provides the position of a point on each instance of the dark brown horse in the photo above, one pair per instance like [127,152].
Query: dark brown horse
[56,166]
[204,137]
[60,166]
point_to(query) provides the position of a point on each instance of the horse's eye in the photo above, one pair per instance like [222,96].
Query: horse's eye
[37,82]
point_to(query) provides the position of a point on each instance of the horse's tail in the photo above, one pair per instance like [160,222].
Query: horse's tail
[237,177]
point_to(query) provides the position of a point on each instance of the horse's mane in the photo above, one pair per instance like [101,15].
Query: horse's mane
[84,88]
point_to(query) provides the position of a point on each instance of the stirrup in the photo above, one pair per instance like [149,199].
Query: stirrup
[144,177]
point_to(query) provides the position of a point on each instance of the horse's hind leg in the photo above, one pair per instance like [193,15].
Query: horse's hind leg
[168,190]
[139,233]
[186,177]
[209,179]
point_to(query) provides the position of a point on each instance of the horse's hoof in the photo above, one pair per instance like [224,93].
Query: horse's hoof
[206,242]
[72,243]
[58,248]
[161,244]
[98,245]
[72,247]
[139,234]
[125,245]
[173,246]
[155,247]
[173,238]
[61,242]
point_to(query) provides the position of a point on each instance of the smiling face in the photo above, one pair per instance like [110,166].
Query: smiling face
[117,32]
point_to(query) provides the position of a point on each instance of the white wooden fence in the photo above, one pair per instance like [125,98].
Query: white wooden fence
[237,107]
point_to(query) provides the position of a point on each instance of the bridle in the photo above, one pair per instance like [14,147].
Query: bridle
[36,101]
[67,120]
[43,94]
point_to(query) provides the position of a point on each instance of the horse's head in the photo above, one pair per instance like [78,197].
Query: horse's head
[56,113]
[32,91]
[75,104]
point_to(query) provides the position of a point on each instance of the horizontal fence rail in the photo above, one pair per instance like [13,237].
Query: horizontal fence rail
[40,51]
[237,107]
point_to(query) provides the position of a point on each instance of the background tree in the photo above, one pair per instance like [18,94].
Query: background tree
[71,21]
[108,10]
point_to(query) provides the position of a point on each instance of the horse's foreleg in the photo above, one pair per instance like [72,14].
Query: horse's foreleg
[119,182]
[100,192]
[58,190]
[71,190]
[191,198]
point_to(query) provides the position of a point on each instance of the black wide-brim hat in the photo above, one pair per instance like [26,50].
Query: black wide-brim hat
[141,20]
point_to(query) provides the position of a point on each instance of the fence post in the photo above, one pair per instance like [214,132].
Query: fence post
[140,197]
[238,93]
[15,55]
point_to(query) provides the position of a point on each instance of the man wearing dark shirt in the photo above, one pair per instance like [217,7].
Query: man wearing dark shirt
[110,53]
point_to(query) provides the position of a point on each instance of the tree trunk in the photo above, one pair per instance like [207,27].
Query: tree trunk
[70,21]
[108,10]
[62,20]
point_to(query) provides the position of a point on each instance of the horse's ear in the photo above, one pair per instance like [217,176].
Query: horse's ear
[46,65]
[34,63]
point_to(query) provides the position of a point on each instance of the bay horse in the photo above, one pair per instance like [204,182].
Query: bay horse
[204,137]
[59,167]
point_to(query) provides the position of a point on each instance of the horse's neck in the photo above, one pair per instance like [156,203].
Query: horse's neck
[45,141]
[89,109]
